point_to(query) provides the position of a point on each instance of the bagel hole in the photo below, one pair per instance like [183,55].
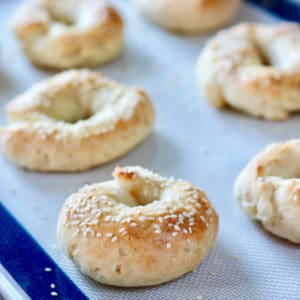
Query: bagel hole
[81,118]
[265,59]
[66,104]
[58,17]
[146,195]
[69,117]
[64,108]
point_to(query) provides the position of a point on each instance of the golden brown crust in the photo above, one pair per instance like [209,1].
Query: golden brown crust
[140,229]
[66,34]
[247,67]
[268,189]
[189,16]
[74,121]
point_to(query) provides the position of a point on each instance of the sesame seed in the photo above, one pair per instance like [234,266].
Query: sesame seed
[114,239]
[176,227]
[190,230]
[202,218]
[157,231]
[75,232]
[98,235]
[122,230]
[170,225]
[160,219]
[142,218]
[52,285]
[156,226]
[174,234]
[185,231]
[173,216]
[48,270]
[209,212]
[107,218]
[75,222]
[109,234]
[169,245]
[54,294]
[133,224]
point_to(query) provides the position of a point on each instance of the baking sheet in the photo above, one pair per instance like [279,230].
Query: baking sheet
[190,140]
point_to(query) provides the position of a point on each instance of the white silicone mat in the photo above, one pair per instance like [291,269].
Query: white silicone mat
[190,140]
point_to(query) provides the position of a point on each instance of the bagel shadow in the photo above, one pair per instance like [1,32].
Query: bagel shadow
[130,64]
[7,84]
[147,154]
[151,152]
[271,131]
[273,238]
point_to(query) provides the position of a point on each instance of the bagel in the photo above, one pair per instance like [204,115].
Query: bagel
[139,229]
[268,189]
[189,16]
[254,68]
[63,34]
[73,121]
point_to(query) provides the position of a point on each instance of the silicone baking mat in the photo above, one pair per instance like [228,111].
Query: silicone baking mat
[191,140]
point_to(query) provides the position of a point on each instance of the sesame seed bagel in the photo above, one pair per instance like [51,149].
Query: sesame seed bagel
[268,189]
[73,121]
[139,229]
[254,68]
[189,16]
[61,34]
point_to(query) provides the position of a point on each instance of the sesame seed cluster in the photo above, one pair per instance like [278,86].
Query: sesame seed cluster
[179,210]
[32,107]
